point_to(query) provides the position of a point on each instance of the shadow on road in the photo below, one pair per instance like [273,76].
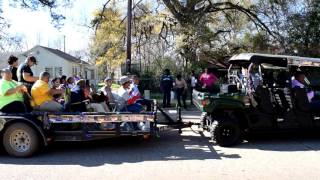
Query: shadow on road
[170,146]
[283,142]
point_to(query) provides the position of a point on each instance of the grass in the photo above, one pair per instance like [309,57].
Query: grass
[114,86]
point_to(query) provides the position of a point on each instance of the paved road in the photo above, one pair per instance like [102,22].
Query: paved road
[190,155]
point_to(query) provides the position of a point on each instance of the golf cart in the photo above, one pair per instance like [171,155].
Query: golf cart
[258,98]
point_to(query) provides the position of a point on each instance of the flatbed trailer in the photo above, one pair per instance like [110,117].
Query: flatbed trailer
[23,134]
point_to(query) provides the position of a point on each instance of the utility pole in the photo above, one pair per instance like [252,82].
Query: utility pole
[129,18]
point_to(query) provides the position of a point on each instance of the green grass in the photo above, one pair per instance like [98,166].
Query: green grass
[114,86]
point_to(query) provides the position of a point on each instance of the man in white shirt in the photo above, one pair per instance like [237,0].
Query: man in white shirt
[134,92]
[193,83]
[126,102]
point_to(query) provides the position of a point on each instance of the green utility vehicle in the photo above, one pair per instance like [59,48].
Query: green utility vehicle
[258,98]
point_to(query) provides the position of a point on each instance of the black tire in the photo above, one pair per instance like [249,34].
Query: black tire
[226,133]
[20,140]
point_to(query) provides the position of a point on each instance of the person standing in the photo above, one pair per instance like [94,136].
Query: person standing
[13,64]
[208,80]
[193,83]
[181,90]
[25,74]
[166,85]
[11,94]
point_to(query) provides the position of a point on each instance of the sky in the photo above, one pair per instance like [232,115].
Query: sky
[36,27]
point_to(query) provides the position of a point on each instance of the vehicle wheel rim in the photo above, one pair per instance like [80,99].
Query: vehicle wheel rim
[20,141]
[227,133]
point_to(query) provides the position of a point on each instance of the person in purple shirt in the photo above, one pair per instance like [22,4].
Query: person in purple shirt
[299,82]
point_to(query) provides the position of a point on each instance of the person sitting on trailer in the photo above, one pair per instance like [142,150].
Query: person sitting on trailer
[42,95]
[11,94]
[134,92]
[77,97]
[125,101]
[80,100]
[55,84]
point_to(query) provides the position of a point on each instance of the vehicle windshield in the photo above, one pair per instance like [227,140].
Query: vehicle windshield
[237,75]
[268,75]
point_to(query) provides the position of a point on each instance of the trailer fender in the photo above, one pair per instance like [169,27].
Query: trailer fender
[2,122]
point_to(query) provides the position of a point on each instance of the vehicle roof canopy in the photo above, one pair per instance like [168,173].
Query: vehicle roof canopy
[276,60]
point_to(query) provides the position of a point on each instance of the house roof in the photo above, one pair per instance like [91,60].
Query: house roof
[59,53]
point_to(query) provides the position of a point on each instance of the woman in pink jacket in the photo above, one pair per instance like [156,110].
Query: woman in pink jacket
[208,79]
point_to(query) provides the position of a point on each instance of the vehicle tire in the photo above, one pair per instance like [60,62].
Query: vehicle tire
[226,133]
[20,140]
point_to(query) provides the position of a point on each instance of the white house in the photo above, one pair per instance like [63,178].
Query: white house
[59,63]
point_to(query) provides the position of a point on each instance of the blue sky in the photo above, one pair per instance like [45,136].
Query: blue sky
[36,27]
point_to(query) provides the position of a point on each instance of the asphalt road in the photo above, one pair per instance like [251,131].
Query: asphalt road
[190,155]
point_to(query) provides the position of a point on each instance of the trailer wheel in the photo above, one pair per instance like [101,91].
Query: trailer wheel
[20,140]
[226,133]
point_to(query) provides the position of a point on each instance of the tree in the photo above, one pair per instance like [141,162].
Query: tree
[213,30]
[107,44]
[294,24]
[303,30]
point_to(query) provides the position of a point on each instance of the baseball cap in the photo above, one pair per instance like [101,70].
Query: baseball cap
[107,79]
[124,79]
[33,59]
[5,70]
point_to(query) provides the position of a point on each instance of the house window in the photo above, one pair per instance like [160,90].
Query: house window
[75,71]
[57,71]
[49,70]
[54,71]
[92,74]
[86,74]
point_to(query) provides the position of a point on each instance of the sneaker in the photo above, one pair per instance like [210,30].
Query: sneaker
[126,127]
[144,126]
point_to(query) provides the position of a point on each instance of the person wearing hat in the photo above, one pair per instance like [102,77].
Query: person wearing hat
[136,93]
[127,102]
[11,94]
[25,74]
[13,64]
[106,89]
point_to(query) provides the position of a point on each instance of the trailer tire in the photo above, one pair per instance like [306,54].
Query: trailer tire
[226,133]
[20,140]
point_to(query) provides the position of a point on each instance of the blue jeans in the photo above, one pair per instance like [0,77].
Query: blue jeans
[145,102]
[135,108]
